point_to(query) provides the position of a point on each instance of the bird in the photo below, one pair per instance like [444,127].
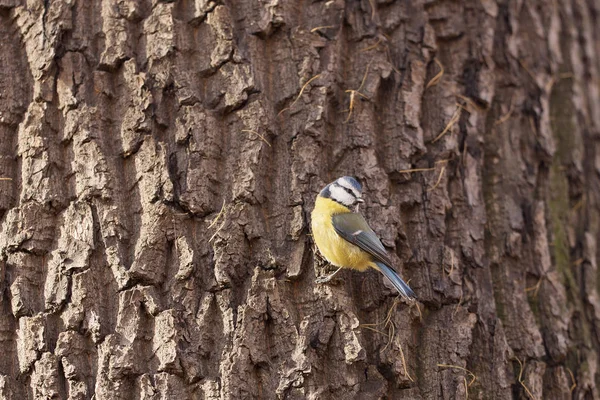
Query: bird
[344,237]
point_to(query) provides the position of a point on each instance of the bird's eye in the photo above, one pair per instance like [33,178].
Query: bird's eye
[349,191]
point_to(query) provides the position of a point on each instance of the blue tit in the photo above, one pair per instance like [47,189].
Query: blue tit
[345,239]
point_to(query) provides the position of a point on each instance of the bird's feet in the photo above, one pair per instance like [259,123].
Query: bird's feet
[327,278]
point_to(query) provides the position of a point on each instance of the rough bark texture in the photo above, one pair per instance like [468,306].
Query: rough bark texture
[159,161]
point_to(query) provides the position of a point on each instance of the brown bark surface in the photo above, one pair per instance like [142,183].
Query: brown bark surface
[159,161]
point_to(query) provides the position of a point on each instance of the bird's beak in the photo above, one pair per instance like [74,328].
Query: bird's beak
[359,201]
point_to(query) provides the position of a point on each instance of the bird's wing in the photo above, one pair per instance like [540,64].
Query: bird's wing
[353,228]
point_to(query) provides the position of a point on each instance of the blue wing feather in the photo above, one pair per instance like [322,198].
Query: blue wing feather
[401,286]
[355,229]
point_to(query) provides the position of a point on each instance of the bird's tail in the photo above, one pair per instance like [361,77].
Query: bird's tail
[398,283]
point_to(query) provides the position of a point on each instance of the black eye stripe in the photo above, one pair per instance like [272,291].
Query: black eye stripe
[349,191]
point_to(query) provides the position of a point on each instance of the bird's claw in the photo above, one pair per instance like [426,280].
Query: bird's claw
[323,279]
[327,278]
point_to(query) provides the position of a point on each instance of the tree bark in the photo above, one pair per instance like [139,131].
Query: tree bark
[159,161]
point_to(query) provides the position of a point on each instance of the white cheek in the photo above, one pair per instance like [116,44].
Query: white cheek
[340,195]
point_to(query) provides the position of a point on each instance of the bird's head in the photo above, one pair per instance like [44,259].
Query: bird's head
[345,190]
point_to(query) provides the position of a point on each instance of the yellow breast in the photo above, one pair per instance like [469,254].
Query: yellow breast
[332,246]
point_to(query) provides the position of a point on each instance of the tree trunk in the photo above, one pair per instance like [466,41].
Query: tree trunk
[159,161]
